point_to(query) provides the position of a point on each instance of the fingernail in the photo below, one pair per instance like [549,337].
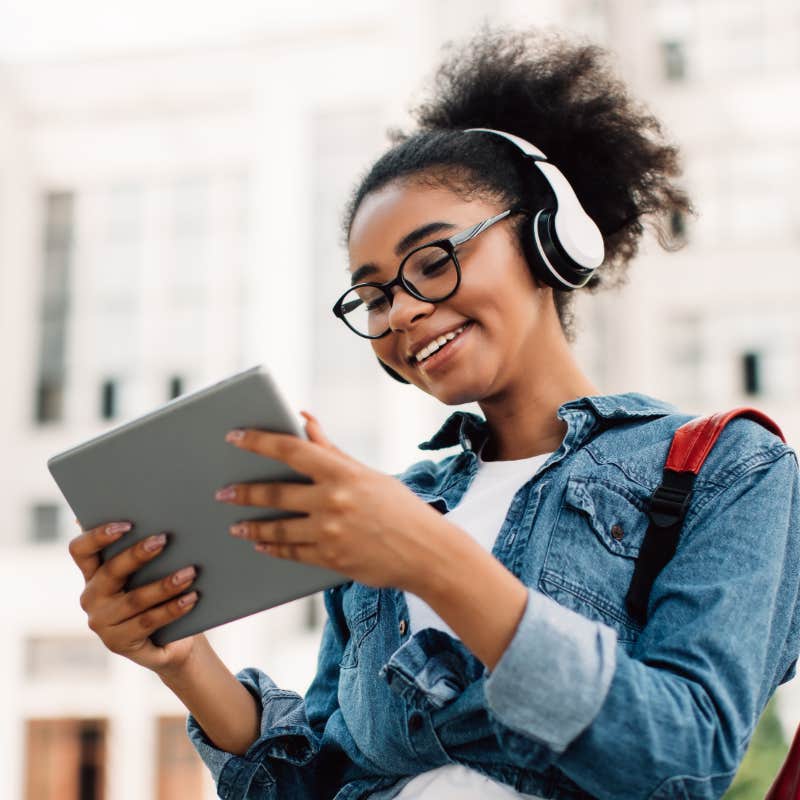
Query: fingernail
[187,599]
[239,530]
[155,542]
[235,435]
[117,527]
[228,493]
[183,575]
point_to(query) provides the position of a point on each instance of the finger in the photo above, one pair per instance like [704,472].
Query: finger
[306,457]
[315,434]
[134,631]
[304,553]
[85,547]
[288,496]
[111,577]
[126,605]
[297,530]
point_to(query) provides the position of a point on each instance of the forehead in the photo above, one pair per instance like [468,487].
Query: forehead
[388,214]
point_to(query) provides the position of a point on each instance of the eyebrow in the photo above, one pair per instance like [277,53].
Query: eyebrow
[406,243]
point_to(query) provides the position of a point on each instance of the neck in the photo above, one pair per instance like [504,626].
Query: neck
[522,418]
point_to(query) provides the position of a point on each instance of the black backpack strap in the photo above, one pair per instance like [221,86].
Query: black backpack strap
[691,444]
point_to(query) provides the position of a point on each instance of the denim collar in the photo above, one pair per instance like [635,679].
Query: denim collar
[471,430]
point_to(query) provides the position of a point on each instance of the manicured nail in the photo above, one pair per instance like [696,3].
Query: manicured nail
[117,527]
[155,542]
[228,493]
[183,575]
[239,530]
[187,599]
[236,435]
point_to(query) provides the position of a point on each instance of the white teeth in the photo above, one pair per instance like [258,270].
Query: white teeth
[433,346]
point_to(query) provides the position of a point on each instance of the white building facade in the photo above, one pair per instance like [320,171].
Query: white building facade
[168,218]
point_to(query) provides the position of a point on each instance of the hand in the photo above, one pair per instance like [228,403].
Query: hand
[360,522]
[124,620]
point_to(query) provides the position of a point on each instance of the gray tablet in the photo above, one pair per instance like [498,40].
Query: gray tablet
[160,472]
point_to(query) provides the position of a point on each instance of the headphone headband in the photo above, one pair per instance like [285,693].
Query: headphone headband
[574,230]
[564,245]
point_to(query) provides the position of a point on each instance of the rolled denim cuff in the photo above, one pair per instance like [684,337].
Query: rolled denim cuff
[285,734]
[553,677]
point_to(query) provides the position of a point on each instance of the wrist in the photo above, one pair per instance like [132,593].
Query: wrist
[176,674]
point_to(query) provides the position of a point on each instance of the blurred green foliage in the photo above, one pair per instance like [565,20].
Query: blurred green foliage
[762,761]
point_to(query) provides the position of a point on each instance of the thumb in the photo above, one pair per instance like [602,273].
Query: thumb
[314,431]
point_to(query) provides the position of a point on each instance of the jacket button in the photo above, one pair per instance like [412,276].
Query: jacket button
[402,627]
[414,722]
[617,532]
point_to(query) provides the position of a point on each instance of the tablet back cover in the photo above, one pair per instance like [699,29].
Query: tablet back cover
[160,472]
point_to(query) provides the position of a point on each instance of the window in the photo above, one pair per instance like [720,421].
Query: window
[751,373]
[180,771]
[677,225]
[77,658]
[44,522]
[673,54]
[175,387]
[108,399]
[313,616]
[57,237]
[65,759]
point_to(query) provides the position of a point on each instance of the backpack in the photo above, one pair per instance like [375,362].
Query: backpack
[691,444]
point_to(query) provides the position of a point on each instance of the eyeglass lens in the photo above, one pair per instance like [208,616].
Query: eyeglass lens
[431,273]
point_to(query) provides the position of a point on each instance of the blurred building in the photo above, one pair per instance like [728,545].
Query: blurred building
[170,217]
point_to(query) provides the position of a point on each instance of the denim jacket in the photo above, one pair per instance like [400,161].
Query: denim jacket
[584,702]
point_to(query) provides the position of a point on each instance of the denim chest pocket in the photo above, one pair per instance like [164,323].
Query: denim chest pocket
[360,605]
[593,549]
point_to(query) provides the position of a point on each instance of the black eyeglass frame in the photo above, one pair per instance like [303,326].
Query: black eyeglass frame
[449,245]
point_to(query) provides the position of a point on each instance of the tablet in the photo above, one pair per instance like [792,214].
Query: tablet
[160,472]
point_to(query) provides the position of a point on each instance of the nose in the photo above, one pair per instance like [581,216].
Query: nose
[407,309]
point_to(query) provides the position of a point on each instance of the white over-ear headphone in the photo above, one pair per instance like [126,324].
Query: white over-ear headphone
[565,246]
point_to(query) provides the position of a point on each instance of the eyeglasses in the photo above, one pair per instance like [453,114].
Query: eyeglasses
[430,273]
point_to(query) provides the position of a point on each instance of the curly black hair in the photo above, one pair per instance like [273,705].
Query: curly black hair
[563,97]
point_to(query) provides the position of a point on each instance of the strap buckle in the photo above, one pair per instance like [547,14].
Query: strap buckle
[669,503]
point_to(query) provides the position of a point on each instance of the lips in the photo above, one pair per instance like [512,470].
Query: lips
[436,343]
[441,355]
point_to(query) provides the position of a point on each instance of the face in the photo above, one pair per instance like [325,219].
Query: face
[498,304]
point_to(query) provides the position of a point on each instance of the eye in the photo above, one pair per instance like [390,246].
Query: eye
[376,304]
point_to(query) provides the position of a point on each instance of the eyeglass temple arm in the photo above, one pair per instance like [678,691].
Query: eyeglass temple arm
[469,233]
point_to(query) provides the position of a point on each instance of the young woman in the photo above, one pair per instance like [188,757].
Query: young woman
[483,648]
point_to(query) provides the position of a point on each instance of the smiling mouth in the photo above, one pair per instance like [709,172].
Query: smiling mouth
[438,345]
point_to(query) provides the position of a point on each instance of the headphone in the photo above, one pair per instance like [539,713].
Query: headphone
[563,246]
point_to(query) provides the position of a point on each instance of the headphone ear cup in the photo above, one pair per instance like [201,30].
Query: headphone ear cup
[536,262]
[392,373]
[558,269]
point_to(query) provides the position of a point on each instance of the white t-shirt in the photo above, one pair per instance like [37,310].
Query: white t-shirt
[481,513]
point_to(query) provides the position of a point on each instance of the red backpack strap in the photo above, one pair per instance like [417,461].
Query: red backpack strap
[786,785]
[691,444]
[693,441]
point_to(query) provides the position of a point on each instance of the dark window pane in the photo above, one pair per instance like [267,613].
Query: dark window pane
[44,522]
[678,225]
[109,400]
[49,397]
[175,387]
[57,249]
[674,57]
[751,373]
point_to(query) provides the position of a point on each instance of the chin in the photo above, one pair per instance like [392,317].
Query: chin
[456,394]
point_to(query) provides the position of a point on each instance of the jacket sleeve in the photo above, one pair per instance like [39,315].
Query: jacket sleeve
[674,717]
[287,756]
